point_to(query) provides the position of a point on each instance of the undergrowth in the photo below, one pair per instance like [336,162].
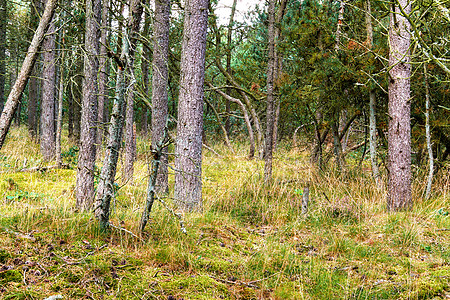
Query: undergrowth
[250,242]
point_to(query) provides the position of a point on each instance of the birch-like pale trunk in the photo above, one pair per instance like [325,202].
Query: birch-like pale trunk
[3,25]
[105,190]
[428,134]
[372,103]
[16,92]
[399,132]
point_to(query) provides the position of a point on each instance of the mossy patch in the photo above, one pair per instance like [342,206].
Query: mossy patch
[10,276]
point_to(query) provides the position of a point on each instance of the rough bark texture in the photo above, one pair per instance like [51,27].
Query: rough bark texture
[399,132]
[145,76]
[428,135]
[271,67]
[48,132]
[25,71]
[372,103]
[188,152]
[228,51]
[160,100]
[105,191]
[102,77]
[33,88]
[3,22]
[89,113]
[60,109]
[373,135]
[130,134]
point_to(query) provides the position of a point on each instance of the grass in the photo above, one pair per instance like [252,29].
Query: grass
[250,242]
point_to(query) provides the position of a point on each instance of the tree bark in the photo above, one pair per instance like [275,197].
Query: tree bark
[428,134]
[399,132]
[145,75]
[271,67]
[89,113]
[105,191]
[229,70]
[372,102]
[130,132]
[60,107]
[188,152]
[160,100]
[25,71]
[48,100]
[103,78]
[3,23]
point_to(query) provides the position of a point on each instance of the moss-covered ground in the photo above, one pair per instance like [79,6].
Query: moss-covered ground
[249,242]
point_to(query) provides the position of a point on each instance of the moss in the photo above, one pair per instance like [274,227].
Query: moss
[196,287]
[10,276]
[427,288]
[4,256]
[287,290]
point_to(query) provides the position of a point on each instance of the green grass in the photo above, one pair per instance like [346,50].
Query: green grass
[250,242]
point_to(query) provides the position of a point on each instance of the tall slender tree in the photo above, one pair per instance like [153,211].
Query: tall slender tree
[228,52]
[399,132]
[103,76]
[271,67]
[160,100]
[372,101]
[108,172]
[48,133]
[130,129]
[14,96]
[3,22]
[188,151]
[33,97]
[89,113]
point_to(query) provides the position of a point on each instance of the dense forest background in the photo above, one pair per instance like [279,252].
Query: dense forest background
[299,152]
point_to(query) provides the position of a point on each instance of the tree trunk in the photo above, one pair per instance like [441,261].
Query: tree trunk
[130,132]
[130,135]
[32,104]
[48,132]
[70,121]
[89,113]
[102,78]
[105,190]
[188,152]
[372,103]
[229,48]
[160,100]
[60,107]
[3,24]
[25,71]
[428,134]
[145,76]
[399,132]
[339,25]
[271,67]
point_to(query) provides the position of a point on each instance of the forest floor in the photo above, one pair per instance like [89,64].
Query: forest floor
[250,241]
